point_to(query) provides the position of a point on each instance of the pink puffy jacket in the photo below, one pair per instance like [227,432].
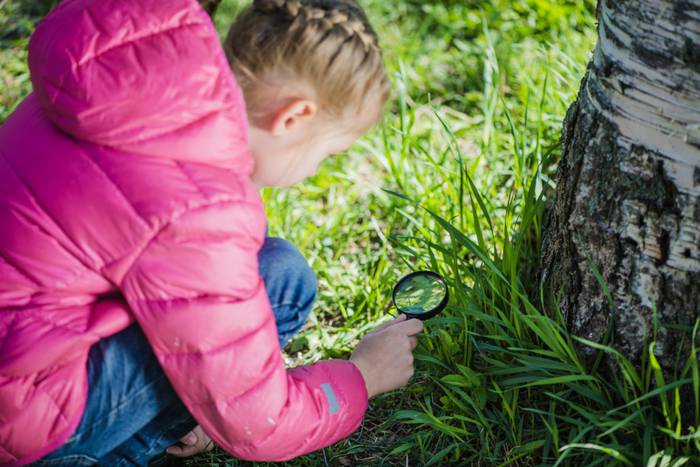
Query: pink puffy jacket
[125,196]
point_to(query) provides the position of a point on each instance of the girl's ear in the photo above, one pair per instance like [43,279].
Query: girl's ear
[292,115]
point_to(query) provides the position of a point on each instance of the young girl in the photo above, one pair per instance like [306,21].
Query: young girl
[138,293]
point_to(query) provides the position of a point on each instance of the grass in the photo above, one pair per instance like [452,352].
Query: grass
[455,179]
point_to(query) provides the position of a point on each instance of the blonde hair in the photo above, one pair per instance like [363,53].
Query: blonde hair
[327,44]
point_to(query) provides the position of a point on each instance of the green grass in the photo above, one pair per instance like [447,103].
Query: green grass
[455,179]
[17,20]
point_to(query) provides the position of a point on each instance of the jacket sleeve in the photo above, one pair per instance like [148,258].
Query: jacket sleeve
[196,291]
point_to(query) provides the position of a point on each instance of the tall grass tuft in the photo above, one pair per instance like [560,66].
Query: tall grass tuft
[502,381]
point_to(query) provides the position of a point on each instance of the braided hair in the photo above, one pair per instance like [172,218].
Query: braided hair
[329,44]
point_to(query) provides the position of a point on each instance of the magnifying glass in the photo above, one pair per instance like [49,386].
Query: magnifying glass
[420,294]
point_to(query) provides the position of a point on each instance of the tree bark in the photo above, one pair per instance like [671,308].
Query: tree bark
[628,190]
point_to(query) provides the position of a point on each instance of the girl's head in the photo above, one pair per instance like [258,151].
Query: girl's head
[313,78]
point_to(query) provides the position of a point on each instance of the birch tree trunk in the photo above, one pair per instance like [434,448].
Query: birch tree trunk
[628,188]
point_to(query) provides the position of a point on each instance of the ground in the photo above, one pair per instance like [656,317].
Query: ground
[454,179]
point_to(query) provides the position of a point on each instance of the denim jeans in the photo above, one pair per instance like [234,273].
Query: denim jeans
[132,413]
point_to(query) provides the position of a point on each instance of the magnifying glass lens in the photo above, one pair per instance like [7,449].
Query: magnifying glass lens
[421,294]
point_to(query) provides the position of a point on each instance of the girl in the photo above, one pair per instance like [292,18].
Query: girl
[138,293]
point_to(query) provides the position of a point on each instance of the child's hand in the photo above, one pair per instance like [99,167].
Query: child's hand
[192,443]
[384,356]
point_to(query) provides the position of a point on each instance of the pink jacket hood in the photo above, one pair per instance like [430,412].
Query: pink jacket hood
[147,77]
[125,197]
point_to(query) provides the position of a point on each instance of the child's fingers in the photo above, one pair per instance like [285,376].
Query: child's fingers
[190,439]
[182,450]
[192,443]
[386,324]
[410,327]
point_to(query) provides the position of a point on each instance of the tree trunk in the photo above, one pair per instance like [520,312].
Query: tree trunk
[628,192]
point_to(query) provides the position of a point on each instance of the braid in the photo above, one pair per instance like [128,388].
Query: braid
[328,43]
[352,28]
[330,19]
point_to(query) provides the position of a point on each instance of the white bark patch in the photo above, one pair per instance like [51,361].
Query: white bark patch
[657,108]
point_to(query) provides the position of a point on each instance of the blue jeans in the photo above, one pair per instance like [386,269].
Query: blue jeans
[132,413]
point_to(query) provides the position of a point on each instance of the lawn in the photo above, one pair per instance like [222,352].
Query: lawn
[455,179]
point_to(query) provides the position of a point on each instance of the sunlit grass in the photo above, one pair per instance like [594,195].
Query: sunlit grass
[455,179]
